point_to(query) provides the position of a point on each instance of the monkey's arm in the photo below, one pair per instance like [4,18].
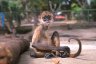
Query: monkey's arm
[36,35]
[44,47]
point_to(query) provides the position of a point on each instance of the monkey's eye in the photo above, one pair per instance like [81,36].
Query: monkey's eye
[46,18]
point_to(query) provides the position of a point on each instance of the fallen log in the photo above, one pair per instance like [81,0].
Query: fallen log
[11,48]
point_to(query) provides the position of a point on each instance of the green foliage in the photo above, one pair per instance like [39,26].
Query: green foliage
[15,5]
[75,8]
[57,1]
[93,4]
[93,11]
[3,5]
[16,8]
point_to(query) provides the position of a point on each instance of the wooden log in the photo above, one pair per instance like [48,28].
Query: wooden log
[11,48]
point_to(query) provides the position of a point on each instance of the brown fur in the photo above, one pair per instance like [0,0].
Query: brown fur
[45,13]
[11,48]
[47,44]
[42,43]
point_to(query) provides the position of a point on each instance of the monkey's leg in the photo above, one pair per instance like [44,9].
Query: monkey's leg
[56,41]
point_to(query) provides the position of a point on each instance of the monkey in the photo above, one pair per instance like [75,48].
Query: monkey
[41,36]
[42,43]
[65,51]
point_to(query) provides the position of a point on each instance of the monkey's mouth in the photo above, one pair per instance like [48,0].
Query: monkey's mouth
[46,18]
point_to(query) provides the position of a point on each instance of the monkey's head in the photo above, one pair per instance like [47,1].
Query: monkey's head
[45,18]
[5,55]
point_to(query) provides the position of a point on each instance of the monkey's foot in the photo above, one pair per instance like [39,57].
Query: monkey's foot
[49,55]
[64,52]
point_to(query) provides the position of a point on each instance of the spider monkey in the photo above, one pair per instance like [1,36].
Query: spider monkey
[41,37]
[42,43]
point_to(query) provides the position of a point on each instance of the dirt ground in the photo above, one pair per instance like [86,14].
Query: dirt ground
[87,56]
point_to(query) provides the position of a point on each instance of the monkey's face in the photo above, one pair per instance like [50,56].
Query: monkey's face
[46,17]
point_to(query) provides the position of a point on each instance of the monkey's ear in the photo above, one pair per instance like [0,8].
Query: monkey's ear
[40,19]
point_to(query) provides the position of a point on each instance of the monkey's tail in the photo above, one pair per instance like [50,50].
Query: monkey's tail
[79,50]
